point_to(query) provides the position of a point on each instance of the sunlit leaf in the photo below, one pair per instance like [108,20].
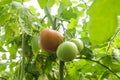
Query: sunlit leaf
[42,3]
[61,9]
[4,56]
[115,67]
[51,2]
[4,18]
[82,5]
[35,44]
[12,65]
[22,0]
[2,67]
[13,51]
[16,5]
[117,42]
[66,2]
[2,2]
[103,20]
[2,49]
[72,24]
[68,14]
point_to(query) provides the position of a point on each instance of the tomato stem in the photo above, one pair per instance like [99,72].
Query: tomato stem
[50,17]
[61,70]
[23,57]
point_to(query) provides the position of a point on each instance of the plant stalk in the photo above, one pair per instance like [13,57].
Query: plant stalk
[50,17]
[61,70]
[23,57]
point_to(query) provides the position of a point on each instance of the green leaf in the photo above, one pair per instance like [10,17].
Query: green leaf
[15,29]
[61,8]
[12,65]
[116,42]
[25,19]
[2,67]
[4,56]
[103,20]
[42,3]
[13,50]
[31,68]
[22,0]
[87,53]
[116,57]
[72,24]
[51,2]
[4,18]
[35,44]
[103,75]
[8,36]
[82,5]
[66,2]
[73,72]
[115,67]
[78,12]
[68,14]
[2,2]
[107,60]
[2,49]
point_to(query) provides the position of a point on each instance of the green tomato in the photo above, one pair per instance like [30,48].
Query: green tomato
[67,51]
[79,44]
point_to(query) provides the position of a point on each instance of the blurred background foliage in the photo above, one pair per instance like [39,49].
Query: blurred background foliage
[95,22]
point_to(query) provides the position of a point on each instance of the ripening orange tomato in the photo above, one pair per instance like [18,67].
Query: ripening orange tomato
[50,39]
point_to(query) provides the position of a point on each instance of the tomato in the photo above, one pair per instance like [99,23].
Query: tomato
[67,51]
[79,44]
[50,39]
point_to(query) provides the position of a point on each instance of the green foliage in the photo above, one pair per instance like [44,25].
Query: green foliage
[68,14]
[42,3]
[96,24]
[3,2]
[35,44]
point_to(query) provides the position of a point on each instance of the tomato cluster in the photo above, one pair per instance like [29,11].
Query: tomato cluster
[53,41]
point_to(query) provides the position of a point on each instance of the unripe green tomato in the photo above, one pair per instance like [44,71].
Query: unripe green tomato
[67,51]
[79,44]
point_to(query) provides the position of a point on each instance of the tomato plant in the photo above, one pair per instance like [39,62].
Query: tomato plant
[30,30]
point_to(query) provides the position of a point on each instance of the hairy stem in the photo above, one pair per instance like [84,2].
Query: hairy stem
[62,19]
[50,17]
[43,19]
[61,69]
[23,57]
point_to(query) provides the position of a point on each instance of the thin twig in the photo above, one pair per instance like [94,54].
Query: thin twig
[43,19]
[109,45]
[65,30]
[58,26]
[103,66]
[47,12]
[62,19]
[85,10]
